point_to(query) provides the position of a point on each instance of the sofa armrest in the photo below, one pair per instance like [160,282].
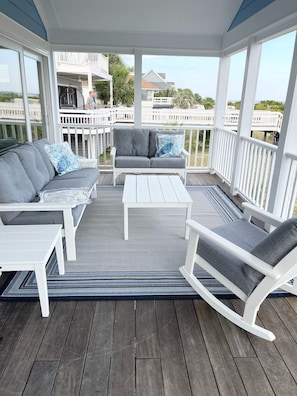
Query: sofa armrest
[87,162]
[35,206]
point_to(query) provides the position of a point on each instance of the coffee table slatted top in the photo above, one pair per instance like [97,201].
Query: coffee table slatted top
[153,189]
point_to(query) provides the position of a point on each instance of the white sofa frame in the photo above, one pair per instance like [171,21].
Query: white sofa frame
[69,229]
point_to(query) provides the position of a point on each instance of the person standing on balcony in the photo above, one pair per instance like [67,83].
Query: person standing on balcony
[91,101]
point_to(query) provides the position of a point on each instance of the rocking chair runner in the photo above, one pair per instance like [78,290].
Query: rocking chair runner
[248,261]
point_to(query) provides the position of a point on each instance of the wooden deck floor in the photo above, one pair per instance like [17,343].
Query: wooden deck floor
[145,347]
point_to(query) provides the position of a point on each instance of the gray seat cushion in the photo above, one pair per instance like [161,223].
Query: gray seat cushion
[86,177]
[34,165]
[132,162]
[131,142]
[167,162]
[50,217]
[242,233]
[153,139]
[15,185]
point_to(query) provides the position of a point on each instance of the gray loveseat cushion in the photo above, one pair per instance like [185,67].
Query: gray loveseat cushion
[242,233]
[15,185]
[167,162]
[131,142]
[132,162]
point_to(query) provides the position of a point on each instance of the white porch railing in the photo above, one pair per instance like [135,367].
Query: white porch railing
[211,150]
[256,171]
[289,207]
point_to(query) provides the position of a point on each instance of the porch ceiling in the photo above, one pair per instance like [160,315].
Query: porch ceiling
[172,26]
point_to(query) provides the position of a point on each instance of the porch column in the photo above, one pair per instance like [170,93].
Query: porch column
[137,87]
[247,108]
[222,90]
[220,107]
[286,144]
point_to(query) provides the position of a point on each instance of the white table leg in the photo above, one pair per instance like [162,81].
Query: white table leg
[188,216]
[40,274]
[60,255]
[125,222]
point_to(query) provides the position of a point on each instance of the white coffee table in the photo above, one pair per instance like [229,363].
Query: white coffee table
[152,191]
[28,248]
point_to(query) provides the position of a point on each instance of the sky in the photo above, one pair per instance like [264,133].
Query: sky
[200,74]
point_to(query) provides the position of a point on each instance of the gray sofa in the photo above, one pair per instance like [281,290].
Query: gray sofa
[135,151]
[25,172]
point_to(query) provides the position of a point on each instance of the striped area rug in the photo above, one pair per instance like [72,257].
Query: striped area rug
[145,266]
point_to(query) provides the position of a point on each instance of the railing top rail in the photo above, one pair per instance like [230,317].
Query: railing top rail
[260,143]
[291,156]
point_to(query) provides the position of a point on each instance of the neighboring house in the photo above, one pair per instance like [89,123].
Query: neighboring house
[76,75]
[154,82]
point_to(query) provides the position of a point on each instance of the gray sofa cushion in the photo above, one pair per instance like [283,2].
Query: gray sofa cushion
[274,247]
[82,178]
[153,141]
[132,162]
[39,144]
[33,164]
[15,185]
[167,162]
[242,233]
[131,142]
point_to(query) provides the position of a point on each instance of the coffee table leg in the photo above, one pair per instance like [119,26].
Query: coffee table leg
[125,222]
[188,216]
[40,274]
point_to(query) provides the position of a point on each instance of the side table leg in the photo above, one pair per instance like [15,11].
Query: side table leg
[60,255]
[40,274]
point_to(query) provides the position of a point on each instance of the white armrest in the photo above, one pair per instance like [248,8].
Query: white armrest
[87,162]
[113,152]
[185,152]
[261,214]
[35,206]
[233,249]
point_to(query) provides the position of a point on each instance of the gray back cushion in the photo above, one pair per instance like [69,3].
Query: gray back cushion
[274,247]
[153,139]
[34,165]
[39,144]
[131,141]
[15,185]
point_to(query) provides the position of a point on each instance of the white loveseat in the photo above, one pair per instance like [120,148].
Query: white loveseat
[136,151]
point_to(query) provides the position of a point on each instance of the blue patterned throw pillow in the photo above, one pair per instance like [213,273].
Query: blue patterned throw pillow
[62,158]
[169,145]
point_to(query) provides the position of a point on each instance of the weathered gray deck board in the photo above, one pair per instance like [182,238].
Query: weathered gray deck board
[145,348]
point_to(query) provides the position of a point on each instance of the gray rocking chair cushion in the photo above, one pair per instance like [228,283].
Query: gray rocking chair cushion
[243,234]
[274,247]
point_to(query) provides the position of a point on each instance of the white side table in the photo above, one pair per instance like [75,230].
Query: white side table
[28,248]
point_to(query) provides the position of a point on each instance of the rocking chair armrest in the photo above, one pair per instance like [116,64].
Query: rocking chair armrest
[35,206]
[261,214]
[236,251]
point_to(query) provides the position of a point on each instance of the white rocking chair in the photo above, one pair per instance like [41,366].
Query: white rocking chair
[246,260]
